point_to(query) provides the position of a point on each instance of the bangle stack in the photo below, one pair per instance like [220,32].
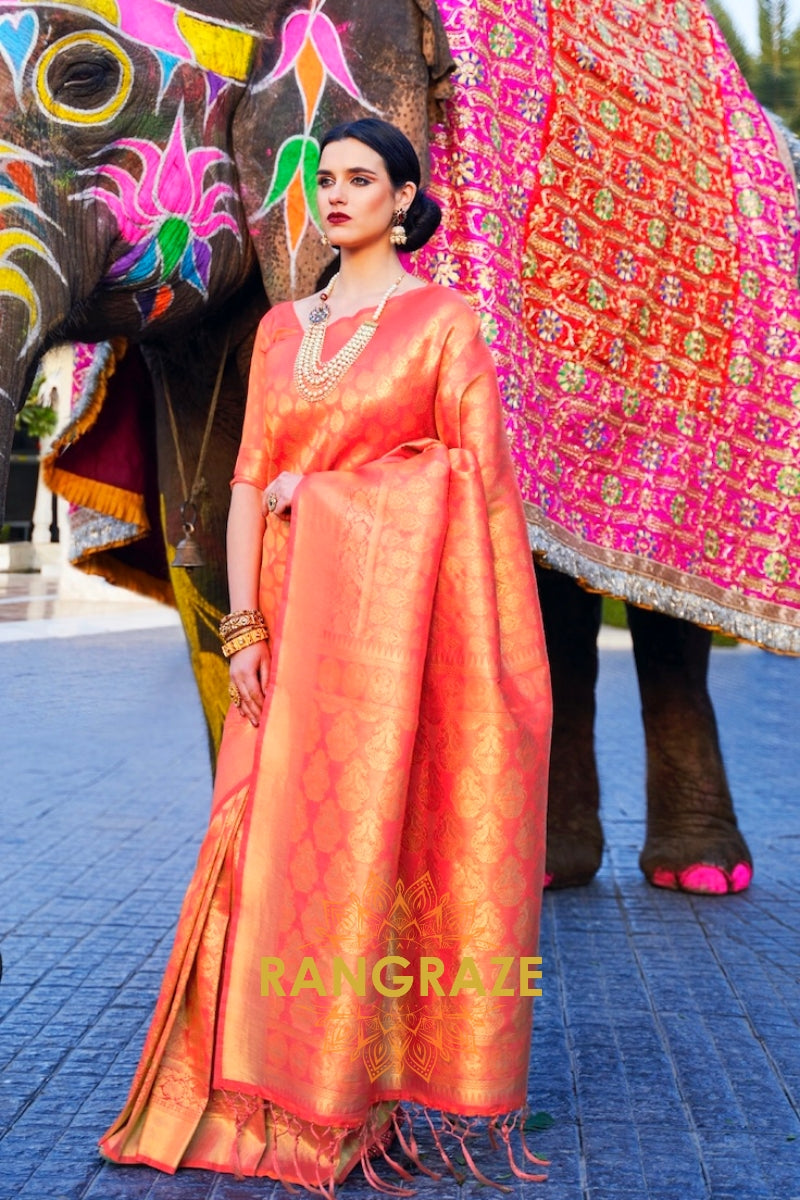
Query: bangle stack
[241,629]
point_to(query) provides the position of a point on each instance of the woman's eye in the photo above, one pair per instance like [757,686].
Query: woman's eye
[360,180]
[323,182]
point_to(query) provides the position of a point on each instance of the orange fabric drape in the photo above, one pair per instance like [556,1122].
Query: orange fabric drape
[391,802]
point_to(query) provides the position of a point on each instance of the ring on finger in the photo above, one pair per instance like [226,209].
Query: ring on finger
[233,692]
[272,501]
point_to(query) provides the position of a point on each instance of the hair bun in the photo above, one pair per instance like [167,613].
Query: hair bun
[421,221]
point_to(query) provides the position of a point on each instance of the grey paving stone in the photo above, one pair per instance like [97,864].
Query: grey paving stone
[665,1046]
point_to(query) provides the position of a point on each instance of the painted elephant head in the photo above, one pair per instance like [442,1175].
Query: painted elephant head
[153,155]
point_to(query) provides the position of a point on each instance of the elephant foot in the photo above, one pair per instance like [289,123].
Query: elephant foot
[716,865]
[704,880]
[574,852]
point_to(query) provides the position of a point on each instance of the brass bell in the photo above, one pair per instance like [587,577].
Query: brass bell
[187,551]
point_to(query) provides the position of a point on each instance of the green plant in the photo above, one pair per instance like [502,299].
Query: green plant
[36,417]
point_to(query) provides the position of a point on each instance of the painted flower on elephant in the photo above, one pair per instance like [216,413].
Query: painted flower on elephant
[18,193]
[312,48]
[167,216]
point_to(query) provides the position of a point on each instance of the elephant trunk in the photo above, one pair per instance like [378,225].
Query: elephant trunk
[48,270]
[7,414]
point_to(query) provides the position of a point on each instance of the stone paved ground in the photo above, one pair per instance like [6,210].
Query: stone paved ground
[666,1047]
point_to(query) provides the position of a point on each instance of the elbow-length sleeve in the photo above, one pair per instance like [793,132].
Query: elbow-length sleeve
[253,459]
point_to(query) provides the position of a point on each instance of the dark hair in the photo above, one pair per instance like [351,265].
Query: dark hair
[402,165]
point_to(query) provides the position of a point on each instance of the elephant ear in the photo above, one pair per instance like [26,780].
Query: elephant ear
[348,59]
[436,50]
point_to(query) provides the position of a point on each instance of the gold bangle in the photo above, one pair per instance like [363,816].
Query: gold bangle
[248,637]
[244,618]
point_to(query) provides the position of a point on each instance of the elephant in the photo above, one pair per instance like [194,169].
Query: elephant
[157,194]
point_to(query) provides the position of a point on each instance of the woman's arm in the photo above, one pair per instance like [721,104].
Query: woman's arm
[250,666]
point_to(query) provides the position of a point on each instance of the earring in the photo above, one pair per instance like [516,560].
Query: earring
[397,234]
[323,237]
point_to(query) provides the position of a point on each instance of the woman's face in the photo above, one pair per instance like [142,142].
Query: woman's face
[357,200]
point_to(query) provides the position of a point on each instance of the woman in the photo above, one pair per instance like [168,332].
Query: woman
[361,923]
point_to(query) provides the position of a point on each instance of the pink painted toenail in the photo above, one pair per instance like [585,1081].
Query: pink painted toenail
[741,875]
[708,881]
[548,879]
[662,877]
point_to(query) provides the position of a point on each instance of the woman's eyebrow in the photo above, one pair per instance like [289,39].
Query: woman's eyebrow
[349,171]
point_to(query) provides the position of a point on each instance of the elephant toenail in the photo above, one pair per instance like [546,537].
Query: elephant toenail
[740,877]
[704,879]
[664,878]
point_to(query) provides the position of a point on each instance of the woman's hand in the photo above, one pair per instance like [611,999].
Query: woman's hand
[249,674]
[276,500]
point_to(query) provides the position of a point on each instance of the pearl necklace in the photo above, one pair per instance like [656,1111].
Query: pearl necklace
[314,378]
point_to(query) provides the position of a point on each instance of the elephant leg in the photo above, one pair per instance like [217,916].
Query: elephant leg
[693,842]
[574,835]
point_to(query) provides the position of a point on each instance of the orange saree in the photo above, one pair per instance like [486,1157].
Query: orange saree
[361,927]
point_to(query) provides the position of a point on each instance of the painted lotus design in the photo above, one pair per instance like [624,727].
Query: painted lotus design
[168,216]
[312,48]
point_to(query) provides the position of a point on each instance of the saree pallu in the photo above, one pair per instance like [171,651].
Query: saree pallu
[391,804]
[638,287]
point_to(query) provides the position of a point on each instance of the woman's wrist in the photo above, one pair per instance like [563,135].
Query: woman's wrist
[241,628]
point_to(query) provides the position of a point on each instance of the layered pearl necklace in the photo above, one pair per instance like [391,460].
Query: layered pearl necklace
[314,378]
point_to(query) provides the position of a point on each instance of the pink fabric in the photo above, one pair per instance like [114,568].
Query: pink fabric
[656,451]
